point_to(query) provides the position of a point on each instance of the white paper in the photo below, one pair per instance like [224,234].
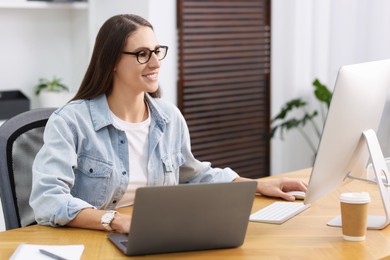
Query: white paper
[30,251]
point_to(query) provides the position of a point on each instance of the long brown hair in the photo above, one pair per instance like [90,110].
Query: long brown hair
[109,44]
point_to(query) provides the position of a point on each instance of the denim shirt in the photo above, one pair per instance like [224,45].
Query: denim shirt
[84,162]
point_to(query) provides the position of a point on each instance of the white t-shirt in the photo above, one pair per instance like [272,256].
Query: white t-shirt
[137,137]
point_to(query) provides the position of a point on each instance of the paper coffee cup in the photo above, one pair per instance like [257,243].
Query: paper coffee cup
[354,207]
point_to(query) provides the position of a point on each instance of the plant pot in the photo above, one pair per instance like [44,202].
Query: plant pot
[54,99]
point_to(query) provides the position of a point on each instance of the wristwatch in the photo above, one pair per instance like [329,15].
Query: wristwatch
[107,218]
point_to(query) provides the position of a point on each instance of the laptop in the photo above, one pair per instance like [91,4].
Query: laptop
[187,217]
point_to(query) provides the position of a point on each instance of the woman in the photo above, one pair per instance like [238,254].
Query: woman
[116,135]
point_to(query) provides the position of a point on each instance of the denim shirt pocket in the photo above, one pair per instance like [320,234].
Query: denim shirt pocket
[92,180]
[171,164]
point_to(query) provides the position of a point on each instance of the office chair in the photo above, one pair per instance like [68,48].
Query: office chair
[21,137]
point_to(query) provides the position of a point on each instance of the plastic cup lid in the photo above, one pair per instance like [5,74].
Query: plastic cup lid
[355,197]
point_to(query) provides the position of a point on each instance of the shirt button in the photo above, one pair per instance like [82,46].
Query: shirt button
[123,173]
[91,170]
[122,141]
[114,201]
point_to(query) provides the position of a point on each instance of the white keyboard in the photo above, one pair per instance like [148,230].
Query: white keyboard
[278,212]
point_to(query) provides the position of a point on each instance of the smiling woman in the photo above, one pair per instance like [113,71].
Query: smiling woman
[116,136]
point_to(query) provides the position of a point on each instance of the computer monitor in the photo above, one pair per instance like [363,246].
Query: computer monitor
[353,118]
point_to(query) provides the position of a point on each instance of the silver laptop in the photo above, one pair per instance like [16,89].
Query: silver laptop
[187,217]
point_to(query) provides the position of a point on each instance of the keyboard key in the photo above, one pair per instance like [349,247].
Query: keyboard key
[278,212]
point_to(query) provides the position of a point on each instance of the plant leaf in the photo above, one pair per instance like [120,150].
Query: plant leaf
[54,85]
[292,123]
[322,93]
[288,107]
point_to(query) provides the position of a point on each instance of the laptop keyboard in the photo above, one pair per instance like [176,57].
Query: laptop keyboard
[278,212]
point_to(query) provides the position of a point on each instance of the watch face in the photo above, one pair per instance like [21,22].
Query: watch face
[107,217]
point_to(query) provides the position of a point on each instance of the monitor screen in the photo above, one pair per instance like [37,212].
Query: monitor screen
[357,104]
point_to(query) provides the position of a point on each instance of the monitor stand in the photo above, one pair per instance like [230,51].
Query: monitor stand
[380,170]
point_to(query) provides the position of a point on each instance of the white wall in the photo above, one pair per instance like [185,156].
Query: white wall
[32,46]
[313,39]
[162,14]
[39,42]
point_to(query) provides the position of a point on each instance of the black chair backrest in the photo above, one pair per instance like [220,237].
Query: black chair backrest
[21,137]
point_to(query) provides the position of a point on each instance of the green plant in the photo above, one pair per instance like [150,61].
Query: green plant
[54,85]
[284,124]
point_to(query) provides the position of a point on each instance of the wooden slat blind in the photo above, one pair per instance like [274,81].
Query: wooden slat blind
[223,87]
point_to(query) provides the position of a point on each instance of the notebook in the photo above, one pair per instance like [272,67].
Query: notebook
[187,217]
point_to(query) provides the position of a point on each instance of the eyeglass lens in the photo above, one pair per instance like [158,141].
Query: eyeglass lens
[145,55]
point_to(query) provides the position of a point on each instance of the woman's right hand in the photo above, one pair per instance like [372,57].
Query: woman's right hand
[121,223]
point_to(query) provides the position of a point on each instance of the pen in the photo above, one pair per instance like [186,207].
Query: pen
[52,255]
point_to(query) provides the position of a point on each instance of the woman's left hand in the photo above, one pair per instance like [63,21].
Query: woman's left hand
[278,187]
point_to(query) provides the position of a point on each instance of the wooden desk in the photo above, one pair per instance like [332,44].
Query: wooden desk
[305,236]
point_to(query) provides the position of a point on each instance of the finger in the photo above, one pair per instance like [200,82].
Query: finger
[300,185]
[287,197]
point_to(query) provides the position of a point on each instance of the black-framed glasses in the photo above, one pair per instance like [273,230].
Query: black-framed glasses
[143,56]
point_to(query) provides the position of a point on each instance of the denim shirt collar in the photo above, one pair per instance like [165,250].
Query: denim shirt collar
[101,115]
